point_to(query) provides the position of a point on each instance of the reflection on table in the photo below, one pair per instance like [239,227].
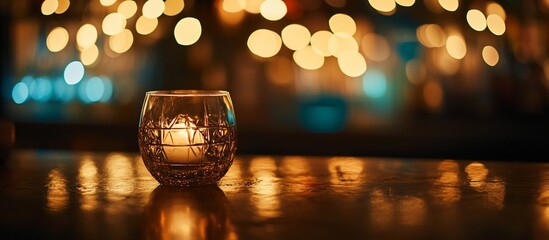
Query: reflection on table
[112,195]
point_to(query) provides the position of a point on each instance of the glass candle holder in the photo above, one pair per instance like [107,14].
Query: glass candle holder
[187,137]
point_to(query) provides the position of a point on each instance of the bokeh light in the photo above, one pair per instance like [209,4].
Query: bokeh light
[86,36]
[127,8]
[107,3]
[49,6]
[449,5]
[496,24]
[490,55]
[62,6]
[433,95]
[342,23]
[456,47]
[405,3]
[153,8]
[89,55]
[57,39]
[233,6]
[74,72]
[384,6]
[145,25]
[264,43]
[20,93]
[187,31]
[295,36]
[113,24]
[319,42]
[495,8]
[374,83]
[341,43]
[431,35]
[252,6]
[95,89]
[273,10]
[308,58]
[352,64]
[280,70]
[476,20]
[121,42]
[375,47]
[173,7]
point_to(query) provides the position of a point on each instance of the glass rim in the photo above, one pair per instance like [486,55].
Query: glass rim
[187,93]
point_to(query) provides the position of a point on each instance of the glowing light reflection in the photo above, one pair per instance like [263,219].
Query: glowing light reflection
[187,31]
[57,39]
[265,198]
[88,182]
[264,43]
[58,195]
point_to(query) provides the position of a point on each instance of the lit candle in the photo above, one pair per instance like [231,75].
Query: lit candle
[183,143]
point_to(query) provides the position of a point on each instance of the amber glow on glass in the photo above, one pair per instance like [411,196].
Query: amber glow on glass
[456,47]
[86,36]
[375,47]
[449,5]
[308,58]
[496,24]
[187,31]
[49,6]
[295,36]
[145,26]
[127,8]
[153,8]
[319,42]
[342,23]
[383,5]
[58,194]
[89,55]
[352,63]
[273,10]
[88,181]
[173,7]
[405,3]
[113,24]
[433,95]
[57,39]
[62,6]
[121,42]
[264,43]
[495,8]
[476,20]
[490,55]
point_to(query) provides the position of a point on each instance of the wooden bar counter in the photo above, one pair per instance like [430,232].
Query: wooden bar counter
[111,195]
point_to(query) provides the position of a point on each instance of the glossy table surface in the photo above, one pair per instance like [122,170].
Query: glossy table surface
[86,195]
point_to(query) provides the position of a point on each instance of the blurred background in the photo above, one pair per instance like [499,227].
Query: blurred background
[397,78]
